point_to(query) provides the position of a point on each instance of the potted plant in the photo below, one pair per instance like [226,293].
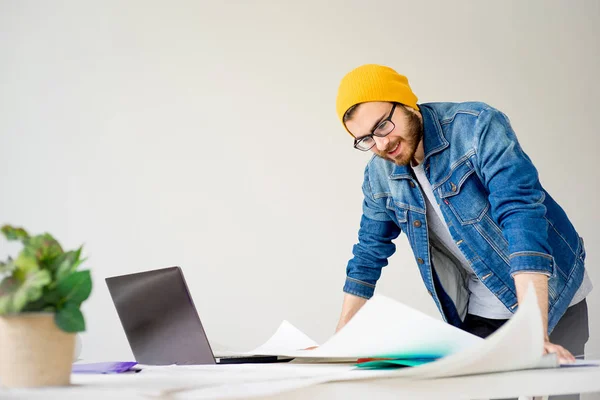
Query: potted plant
[41,292]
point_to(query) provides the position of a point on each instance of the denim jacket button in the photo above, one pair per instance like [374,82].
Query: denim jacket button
[412,184]
[417,224]
[453,186]
[420,260]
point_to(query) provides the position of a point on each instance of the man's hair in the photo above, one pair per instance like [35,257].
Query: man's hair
[350,112]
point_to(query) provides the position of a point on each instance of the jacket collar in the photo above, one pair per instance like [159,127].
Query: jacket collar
[433,136]
[433,140]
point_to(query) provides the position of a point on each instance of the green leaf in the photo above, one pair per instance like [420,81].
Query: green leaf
[8,287]
[12,233]
[69,318]
[66,263]
[15,293]
[43,247]
[49,299]
[35,306]
[26,262]
[76,287]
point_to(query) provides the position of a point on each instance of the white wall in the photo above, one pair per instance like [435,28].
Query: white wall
[204,134]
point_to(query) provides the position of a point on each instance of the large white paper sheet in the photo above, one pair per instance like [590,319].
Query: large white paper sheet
[518,344]
[286,338]
[385,327]
[382,327]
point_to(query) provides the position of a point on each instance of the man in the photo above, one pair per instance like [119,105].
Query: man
[455,180]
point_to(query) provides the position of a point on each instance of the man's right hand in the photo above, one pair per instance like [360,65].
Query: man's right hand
[351,305]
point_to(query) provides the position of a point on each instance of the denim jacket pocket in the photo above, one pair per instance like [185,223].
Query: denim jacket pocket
[464,193]
[401,213]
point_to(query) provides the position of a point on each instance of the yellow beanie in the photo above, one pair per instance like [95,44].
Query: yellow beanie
[372,82]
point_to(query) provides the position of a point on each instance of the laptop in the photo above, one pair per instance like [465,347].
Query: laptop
[161,322]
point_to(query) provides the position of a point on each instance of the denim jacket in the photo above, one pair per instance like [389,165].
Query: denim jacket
[498,213]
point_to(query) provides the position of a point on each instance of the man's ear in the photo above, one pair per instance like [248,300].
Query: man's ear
[412,111]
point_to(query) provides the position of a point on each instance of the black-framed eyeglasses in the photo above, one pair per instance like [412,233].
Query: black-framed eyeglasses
[382,129]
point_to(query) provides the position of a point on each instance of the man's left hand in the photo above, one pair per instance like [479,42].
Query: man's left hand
[564,355]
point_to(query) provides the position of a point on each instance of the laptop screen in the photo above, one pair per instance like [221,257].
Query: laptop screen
[159,318]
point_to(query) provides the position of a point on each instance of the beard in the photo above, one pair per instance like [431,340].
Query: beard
[409,143]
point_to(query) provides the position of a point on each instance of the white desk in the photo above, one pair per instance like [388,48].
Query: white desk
[211,381]
[490,386]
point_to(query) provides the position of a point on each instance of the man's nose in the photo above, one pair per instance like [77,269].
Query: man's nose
[381,142]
